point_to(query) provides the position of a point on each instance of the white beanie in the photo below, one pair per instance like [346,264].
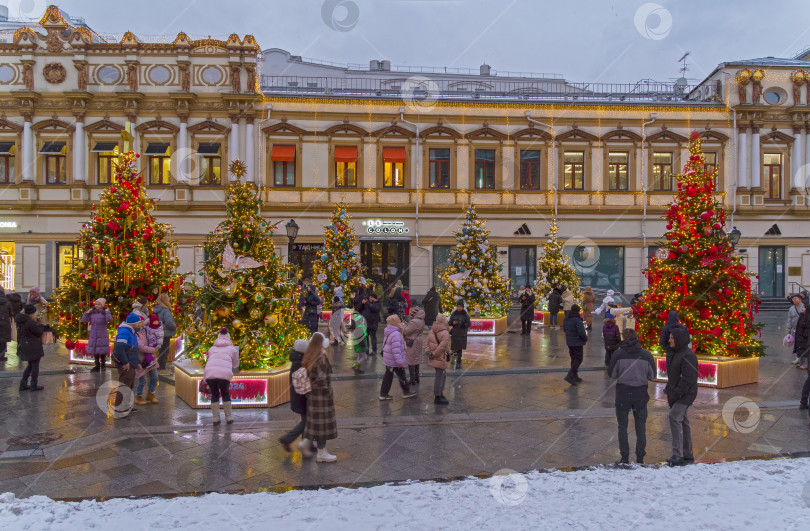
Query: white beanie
[300,345]
[610,292]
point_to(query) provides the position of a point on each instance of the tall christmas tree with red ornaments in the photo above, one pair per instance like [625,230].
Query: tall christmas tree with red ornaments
[697,274]
[123,254]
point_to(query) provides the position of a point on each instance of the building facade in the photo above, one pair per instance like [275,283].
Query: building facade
[406,149]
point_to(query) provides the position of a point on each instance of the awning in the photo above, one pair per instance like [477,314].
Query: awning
[104,147]
[6,148]
[52,148]
[286,153]
[208,148]
[394,154]
[345,154]
[157,149]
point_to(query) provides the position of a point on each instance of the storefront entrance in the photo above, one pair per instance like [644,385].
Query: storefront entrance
[522,267]
[7,265]
[386,261]
[772,271]
[304,255]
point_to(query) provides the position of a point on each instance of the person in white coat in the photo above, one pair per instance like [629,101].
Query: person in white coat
[607,301]
[223,361]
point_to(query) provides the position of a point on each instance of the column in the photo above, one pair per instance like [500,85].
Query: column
[756,165]
[797,157]
[28,150]
[806,177]
[250,158]
[742,154]
[233,140]
[596,168]
[79,151]
[183,152]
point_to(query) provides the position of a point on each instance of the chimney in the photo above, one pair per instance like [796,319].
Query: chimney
[485,69]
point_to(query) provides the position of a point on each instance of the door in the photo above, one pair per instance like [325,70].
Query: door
[522,267]
[385,262]
[772,271]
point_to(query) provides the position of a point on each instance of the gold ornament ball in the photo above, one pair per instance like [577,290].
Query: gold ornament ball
[237,323]
[255,313]
[270,320]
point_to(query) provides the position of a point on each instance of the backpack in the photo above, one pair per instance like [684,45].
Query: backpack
[300,381]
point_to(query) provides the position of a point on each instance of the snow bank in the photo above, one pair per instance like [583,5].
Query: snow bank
[740,495]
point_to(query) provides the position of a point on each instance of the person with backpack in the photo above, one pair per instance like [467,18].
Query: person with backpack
[396,304]
[125,356]
[438,345]
[321,423]
[223,361]
[575,338]
[459,325]
[298,404]
[610,334]
[394,359]
[312,304]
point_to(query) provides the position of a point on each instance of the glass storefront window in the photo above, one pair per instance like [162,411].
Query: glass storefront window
[7,265]
[67,254]
[441,257]
[522,266]
[598,266]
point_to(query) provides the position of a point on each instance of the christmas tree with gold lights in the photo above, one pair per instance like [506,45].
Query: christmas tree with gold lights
[247,289]
[473,272]
[554,269]
[338,265]
[697,274]
[123,254]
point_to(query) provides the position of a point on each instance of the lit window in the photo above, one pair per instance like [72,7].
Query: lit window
[439,162]
[574,170]
[662,171]
[772,175]
[484,169]
[159,163]
[618,169]
[283,158]
[345,167]
[394,167]
[210,163]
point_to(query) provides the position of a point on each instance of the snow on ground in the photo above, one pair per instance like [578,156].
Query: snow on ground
[740,495]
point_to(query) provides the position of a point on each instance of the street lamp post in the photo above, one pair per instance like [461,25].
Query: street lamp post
[734,237]
[292,233]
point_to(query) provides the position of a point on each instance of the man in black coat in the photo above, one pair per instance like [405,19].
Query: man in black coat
[298,403]
[526,300]
[370,310]
[681,390]
[29,346]
[575,338]
[632,367]
[432,305]
[6,317]
[311,312]
[554,305]
[803,350]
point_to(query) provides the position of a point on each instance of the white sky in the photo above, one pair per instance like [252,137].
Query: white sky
[584,40]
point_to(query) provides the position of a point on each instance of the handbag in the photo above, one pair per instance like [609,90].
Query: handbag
[301,382]
[409,342]
[203,388]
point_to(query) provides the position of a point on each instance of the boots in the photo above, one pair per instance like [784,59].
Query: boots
[97,366]
[24,385]
[227,407]
[35,387]
[305,447]
[139,400]
[440,401]
[150,397]
[215,411]
[324,456]
[458,359]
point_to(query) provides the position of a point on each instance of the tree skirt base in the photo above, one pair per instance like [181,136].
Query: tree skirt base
[259,388]
[717,371]
[487,326]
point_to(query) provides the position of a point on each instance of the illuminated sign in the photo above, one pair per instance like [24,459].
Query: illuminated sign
[252,392]
[79,353]
[384,226]
[482,326]
[8,224]
[707,372]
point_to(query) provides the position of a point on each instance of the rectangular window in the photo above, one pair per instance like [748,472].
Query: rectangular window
[484,169]
[772,175]
[710,161]
[159,163]
[394,167]
[210,163]
[283,158]
[67,254]
[345,167]
[574,170]
[662,172]
[6,162]
[598,266]
[439,163]
[54,162]
[618,170]
[105,167]
[529,169]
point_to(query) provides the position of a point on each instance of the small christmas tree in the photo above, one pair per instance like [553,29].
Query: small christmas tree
[338,265]
[554,270]
[696,273]
[248,289]
[473,271]
[123,254]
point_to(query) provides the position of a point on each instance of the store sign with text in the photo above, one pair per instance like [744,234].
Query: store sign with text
[482,326]
[385,226]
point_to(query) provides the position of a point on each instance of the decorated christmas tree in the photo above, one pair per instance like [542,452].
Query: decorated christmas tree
[473,271]
[247,287]
[697,274]
[123,254]
[338,265]
[554,270]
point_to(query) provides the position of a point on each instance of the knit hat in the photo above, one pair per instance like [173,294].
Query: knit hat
[30,309]
[223,332]
[460,302]
[154,321]
[611,292]
[134,318]
[575,308]
[102,300]
[609,316]
[300,345]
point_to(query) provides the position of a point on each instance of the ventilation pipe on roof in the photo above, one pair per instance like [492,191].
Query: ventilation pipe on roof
[486,70]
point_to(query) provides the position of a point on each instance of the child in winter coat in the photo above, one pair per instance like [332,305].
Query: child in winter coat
[150,338]
[223,360]
[394,358]
[610,333]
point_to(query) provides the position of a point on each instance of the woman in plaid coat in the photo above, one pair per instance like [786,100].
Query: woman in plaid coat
[321,423]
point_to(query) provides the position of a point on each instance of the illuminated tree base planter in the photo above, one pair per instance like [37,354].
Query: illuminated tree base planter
[487,326]
[327,314]
[79,356]
[544,318]
[717,371]
[258,388]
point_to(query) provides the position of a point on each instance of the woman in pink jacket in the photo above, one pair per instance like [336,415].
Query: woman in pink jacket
[438,344]
[394,358]
[223,360]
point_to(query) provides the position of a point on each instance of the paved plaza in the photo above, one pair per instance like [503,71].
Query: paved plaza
[509,409]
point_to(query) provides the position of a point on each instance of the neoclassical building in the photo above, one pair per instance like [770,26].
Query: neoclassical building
[406,150]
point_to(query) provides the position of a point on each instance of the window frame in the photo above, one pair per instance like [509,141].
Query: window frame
[525,167]
[8,176]
[393,166]
[341,174]
[660,167]
[110,158]
[439,164]
[205,165]
[61,168]
[573,167]
[285,165]
[487,169]
[770,177]
[613,172]
[162,159]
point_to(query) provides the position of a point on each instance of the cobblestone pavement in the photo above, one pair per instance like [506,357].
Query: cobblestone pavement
[510,409]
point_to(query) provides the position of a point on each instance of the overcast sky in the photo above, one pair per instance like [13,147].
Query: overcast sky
[618,41]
